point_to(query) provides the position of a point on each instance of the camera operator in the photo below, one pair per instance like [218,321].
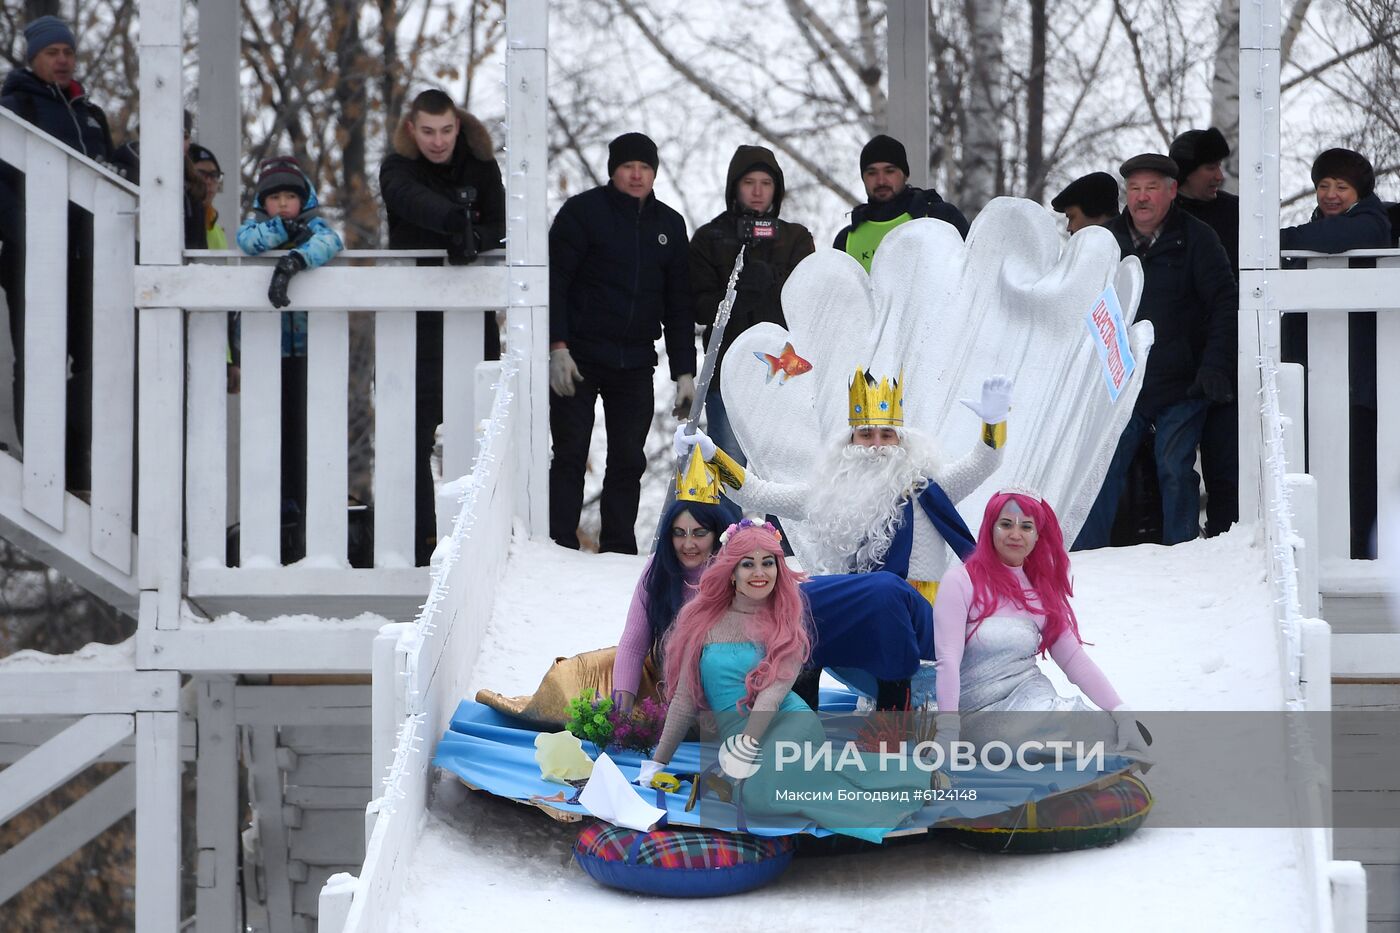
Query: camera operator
[442,190]
[753,195]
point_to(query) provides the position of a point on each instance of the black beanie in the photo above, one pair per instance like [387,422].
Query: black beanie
[1351,167]
[200,153]
[1095,194]
[1195,148]
[885,149]
[632,147]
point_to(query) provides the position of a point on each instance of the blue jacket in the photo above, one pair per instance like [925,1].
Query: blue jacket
[260,233]
[1364,226]
[619,272]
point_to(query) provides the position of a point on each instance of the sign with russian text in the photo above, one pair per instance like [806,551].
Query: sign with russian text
[1105,320]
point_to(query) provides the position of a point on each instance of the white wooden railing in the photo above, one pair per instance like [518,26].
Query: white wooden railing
[89,536]
[1326,411]
[257,469]
[421,670]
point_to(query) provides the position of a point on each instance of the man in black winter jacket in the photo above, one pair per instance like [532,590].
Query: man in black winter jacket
[1199,155]
[884,169]
[753,191]
[1190,296]
[442,190]
[618,276]
[46,94]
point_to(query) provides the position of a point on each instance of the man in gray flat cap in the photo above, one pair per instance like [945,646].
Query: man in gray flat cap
[1190,296]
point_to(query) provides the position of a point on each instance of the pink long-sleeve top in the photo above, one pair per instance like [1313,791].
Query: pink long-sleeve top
[952,623]
[635,642]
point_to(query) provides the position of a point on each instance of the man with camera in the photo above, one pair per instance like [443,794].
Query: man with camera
[442,190]
[753,196]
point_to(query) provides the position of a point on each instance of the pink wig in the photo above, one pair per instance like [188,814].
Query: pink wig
[780,627]
[1046,567]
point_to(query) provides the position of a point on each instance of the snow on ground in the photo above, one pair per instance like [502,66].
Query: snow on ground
[1188,627]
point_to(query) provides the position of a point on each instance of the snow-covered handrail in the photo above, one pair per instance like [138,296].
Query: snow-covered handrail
[431,660]
[1381,253]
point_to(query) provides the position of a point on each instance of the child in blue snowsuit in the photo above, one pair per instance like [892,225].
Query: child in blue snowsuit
[286,216]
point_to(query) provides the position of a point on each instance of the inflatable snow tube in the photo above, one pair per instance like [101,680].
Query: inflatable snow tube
[1079,819]
[686,862]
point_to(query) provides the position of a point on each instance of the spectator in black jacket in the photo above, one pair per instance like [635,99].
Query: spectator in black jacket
[1199,155]
[1088,201]
[884,169]
[46,94]
[618,276]
[753,190]
[1349,215]
[1190,296]
[442,190]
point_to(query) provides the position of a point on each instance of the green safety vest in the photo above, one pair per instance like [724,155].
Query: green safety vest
[862,242]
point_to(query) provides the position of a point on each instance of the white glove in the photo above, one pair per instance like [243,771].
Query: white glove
[563,372]
[1132,743]
[995,403]
[685,396]
[649,770]
[681,443]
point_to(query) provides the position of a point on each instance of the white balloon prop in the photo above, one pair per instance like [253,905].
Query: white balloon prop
[1011,300]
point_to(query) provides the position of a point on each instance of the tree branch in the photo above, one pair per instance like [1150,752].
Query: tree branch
[1291,30]
[710,90]
[1337,59]
[573,142]
[1147,94]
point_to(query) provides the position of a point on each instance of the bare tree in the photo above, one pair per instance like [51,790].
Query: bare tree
[982,130]
[1225,80]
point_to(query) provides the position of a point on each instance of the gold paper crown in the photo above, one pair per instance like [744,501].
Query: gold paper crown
[698,482]
[872,404]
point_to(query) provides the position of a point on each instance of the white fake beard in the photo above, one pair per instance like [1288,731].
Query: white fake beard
[858,499]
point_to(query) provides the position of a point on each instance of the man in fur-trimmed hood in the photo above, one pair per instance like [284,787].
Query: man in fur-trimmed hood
[442,190]
[441,151]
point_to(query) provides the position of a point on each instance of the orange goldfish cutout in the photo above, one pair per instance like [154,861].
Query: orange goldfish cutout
[788,363]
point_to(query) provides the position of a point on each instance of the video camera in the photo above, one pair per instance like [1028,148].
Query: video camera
[462,248]
[754,229]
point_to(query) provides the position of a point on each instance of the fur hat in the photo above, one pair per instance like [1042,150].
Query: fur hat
[1351,167]
[282,173]
[44,32]
[632,147]
[1150,162]
[885,149]
[1195,148]
[1096,194]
